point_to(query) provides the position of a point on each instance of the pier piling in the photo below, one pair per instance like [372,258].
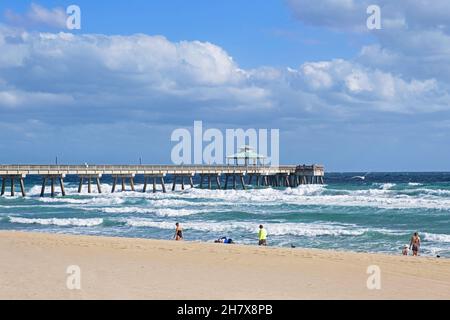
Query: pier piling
[174,183]
[61,185]
[52,178]
[218,182]
[123,184]
[243,183]
[52,187]
[226,182]
[123,179]
[154,181]
[3,186]
[22,187]
[12,179]
[80,186]
[114,185]
[182,178]
[44,182]
[89,178]
[12,187]
[144,190]
[99,187]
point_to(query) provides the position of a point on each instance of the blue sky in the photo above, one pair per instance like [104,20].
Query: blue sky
[350,98]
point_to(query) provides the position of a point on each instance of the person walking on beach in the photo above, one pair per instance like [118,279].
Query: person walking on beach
[405,250]
[178,232]
[415,244]
[262,235]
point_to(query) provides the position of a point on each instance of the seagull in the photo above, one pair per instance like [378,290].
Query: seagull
[361,177]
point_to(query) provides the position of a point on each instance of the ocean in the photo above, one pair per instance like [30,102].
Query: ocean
[378,214]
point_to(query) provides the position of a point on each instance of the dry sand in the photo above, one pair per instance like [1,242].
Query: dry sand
[33,266]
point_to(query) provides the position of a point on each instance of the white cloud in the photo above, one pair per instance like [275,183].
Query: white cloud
[358,81]
[128,74]
[318,74]
[38,15]
[372,88]
[414,40]
[143,78]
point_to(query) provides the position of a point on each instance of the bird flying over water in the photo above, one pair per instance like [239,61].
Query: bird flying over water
[361,177]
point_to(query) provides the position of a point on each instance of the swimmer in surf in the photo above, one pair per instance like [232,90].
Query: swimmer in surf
[178,232]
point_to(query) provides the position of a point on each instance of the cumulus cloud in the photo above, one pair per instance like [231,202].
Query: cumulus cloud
[406,68]
[136,76]
[414,40]
[148,78]
[367,88]
[38,16]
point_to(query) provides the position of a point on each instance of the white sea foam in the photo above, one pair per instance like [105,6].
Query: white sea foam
[414,184]
[387,186]
[296,229]
[158,212]
[164,203]
[437,237]
[370,192]
[36,190]
[58,222]
[316,195]
[434,192]
[94,201]
[383,196]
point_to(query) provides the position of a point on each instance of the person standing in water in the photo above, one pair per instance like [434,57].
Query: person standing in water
[178,232]
[262,236]
[415,244]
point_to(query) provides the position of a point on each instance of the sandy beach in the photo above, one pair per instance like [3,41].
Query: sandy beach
[34,266]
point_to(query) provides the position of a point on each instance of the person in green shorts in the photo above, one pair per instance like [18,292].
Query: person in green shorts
[262,235]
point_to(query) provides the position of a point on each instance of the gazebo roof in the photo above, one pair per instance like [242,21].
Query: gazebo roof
[246,153]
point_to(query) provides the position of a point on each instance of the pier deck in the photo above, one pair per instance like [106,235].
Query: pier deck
[287,175]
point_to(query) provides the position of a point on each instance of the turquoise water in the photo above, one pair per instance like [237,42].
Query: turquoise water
[378,214]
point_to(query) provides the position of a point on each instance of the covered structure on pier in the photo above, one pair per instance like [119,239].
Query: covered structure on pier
[246,156]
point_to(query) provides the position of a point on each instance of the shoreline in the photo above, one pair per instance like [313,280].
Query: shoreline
[211,242]
[34,266]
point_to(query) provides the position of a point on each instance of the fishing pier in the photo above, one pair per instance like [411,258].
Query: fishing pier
[123,176]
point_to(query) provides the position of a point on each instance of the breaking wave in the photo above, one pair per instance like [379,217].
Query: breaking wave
[58,222]
[297,229]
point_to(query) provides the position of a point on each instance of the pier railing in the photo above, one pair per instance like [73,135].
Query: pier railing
[144,169]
